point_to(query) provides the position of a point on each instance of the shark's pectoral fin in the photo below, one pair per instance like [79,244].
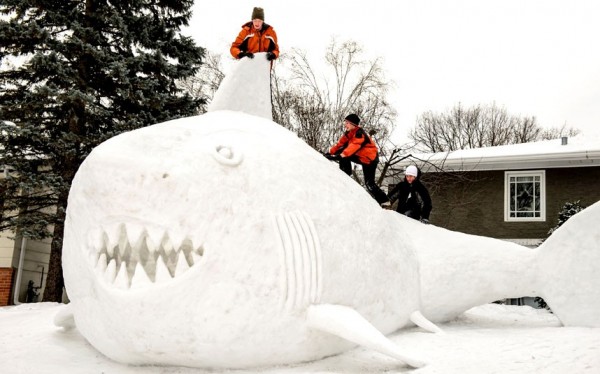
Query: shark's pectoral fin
[347,323]
[419,319]
[64,317]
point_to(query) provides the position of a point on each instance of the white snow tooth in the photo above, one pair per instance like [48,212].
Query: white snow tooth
[166,244]
[123,240]
[196,240]
[101,264]
[162,273]
[186,246]
[197,246]
[150,244]
[196,258]
[135,233]
[140,278]
[111,236]
[176,237]
[182,265]
[199,250]
[153,239]
[110,249]
[111,271]
[122,279]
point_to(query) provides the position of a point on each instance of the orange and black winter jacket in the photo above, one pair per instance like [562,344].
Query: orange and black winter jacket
[251,40]
[356,142]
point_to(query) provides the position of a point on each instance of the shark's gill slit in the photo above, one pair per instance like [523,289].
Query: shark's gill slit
[288,258]
[303,266]
[301,259]
[314,252]
[136,259]
[296,256]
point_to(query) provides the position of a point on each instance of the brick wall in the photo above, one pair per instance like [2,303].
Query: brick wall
[6,282]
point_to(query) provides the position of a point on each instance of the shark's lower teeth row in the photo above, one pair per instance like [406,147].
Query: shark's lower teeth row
[125,266]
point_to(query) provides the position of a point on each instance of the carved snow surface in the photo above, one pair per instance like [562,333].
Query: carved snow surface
[142,259]
[301,254]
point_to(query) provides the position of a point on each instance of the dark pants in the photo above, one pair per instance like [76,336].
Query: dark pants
[369,173]
[414,214]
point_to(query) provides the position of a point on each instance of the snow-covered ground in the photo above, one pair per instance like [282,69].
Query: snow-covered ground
[488,339]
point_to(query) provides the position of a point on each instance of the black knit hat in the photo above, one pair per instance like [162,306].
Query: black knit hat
[258,13]
[353,118]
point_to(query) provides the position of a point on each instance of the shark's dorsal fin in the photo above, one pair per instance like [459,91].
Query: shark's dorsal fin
[347,323]
[246,88]
[419,319]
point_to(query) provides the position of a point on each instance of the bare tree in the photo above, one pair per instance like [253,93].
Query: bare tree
[205,83]
[314,108]
[474,127]
[478,126]
[555,133]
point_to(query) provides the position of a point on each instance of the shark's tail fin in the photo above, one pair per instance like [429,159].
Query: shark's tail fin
[569,265]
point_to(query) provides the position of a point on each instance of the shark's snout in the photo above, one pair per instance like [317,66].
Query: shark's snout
[136,256]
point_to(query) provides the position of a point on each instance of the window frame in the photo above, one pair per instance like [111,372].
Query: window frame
[507,198]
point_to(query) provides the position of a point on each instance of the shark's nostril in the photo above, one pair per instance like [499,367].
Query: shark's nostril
[226,155]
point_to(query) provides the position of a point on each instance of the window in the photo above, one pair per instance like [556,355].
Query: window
[525,195]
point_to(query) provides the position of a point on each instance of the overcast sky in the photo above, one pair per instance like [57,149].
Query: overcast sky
[534,57]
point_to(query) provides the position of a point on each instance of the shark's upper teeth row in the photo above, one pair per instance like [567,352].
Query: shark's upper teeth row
[135,258]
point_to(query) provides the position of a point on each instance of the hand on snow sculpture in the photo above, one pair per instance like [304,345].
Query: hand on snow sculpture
[246,54]
[271,56]
[331,157]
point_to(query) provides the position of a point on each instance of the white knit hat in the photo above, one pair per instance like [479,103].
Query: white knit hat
[412,170]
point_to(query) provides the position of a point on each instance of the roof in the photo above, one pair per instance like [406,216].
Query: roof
[579,151]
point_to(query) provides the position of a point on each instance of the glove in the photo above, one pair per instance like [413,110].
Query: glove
[425,221]
[246,54]
[331,157]
[271,56]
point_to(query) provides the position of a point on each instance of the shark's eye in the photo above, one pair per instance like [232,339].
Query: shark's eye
[227,155]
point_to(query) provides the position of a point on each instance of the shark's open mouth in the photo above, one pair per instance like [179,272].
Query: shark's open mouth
[137,257]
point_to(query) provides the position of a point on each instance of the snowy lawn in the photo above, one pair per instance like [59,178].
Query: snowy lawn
[487,339]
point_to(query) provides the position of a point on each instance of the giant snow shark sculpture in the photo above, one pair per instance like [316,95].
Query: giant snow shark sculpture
[223,240]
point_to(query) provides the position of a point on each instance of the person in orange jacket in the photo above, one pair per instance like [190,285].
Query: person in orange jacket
[256,36]
[356,146]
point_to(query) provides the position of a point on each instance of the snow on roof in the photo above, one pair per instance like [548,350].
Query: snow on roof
[579,151]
